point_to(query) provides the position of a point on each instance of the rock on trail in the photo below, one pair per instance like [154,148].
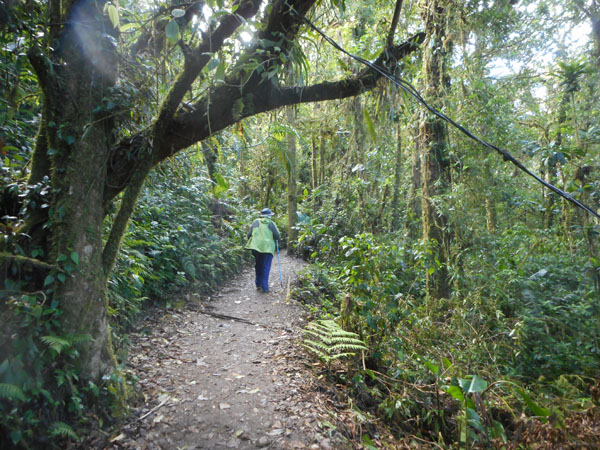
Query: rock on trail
[228,372]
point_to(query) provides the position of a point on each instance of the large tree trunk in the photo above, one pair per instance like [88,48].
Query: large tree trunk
[80,138]
[433,135]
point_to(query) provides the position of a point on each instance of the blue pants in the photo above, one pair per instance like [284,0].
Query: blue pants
[262,267]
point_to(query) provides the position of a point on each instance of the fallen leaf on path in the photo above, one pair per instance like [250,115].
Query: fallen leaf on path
[224,405]
[163,397]
[117,438]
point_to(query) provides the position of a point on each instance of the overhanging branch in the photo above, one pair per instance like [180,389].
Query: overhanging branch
[222,111]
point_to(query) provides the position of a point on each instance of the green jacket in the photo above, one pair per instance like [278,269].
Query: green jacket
[263,235]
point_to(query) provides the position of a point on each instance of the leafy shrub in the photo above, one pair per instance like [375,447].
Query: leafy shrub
[174,241]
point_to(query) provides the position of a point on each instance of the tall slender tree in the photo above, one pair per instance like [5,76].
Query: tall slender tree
[432,142]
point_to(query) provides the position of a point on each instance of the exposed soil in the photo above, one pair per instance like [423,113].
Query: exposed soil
[229,372]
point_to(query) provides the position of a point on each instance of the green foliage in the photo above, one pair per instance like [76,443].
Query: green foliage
[175,241]
[39,375]
[517,324]
[326,339]
[61,429]
[11,392]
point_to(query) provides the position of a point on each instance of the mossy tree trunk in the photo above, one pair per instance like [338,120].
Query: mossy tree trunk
[73,145]
[433,136]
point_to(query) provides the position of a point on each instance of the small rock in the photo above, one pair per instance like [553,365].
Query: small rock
[262,442]
[233,443]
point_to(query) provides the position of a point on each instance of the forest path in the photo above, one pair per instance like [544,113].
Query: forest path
[228,372]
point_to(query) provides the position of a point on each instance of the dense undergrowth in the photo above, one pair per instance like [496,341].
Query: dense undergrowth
[182,236]
[518,336]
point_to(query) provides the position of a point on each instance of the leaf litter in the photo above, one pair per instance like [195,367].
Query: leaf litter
[228,372]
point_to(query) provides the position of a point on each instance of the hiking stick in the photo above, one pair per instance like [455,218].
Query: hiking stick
[279,263]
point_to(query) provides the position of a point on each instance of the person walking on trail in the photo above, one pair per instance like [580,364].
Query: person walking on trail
[263,234]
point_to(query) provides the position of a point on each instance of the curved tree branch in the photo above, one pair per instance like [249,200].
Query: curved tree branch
[229,104]
[196,60]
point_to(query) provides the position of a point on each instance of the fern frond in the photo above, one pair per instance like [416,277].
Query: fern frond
[342,355]
[323,356]
[347,347]
[342,333]
[56,343]
[318,328]
[63,430]
[349,340]
[319,345]
[11,392]
[324,338]
[328,341]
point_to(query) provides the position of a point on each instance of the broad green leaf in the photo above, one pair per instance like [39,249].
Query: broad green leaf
[435,369]
[172,31]
[477,385]
[113,14]
[368,442]
[75,257]
[370,125]
[15,436]
[455,392]
[49,280]
[474,419]
[178,12]
[221,182]
[536,410]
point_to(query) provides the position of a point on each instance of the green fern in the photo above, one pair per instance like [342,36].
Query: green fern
[327,340]
[12,392]
[58,344]
[61,429]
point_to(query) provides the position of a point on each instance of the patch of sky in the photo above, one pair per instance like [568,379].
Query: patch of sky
[568,40]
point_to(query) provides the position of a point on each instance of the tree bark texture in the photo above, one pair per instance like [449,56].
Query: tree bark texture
[82,73]
[433,135]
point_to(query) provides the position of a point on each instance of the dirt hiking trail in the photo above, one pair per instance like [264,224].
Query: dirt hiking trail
[228,372]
